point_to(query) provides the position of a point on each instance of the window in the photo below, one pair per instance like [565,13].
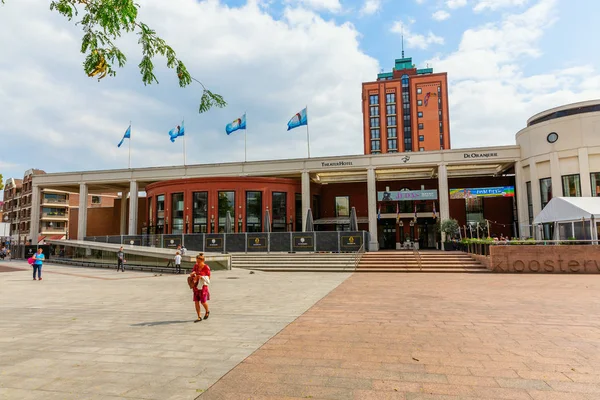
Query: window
[390,98]
[177,213]
[374,111]
[279,202]
[595,178]
[571,185]
[405,98]
[474,210]
[421,148]
[407,118]
[200,212]
[96,200]
[253,211]
[53,212]
[419,91]
[374,122]
[404,79]
[342,206]
[392,144]
[391,133]
[391,109]
[373,99]
[391,121]
[545,191]
[160,212]
[420,114]
[529,207]
[150,212]
[420,126]
[374,133]
[226,203]
[298,206]
[439,89]
[419,102]
[421,138]
[375,145]
[441,128]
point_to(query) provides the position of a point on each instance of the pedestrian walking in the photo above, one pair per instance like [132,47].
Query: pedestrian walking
[177,263]
[38,260]
[120,260]
[199,280]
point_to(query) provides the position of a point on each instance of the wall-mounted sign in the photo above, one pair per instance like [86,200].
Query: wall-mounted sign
[480,155]
[503,191]
[337,164]
[407,195]
[257,242]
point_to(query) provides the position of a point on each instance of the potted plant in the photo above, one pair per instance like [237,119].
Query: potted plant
[450,228]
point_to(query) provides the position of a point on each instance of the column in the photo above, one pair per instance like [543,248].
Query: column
[123,222]
[133,207]
[521,194]
[443,195]
[584,173]
[34,230]
[557,190]
[535,188]
[305,197]
[82,218]
[372,208]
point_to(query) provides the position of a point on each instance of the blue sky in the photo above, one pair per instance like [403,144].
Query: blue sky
[506,60]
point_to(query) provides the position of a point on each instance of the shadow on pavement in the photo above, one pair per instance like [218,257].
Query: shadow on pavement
[158,323]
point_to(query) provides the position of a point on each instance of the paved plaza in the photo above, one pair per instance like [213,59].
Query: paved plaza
[98,334]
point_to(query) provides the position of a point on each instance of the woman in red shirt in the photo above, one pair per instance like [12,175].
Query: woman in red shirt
[201,277]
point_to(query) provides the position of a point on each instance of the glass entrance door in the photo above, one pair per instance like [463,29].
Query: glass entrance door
[388,235]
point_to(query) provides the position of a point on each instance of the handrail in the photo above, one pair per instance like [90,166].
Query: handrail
[356,259]
[418,257]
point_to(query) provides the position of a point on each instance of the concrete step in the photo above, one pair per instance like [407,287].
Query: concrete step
[425,270]
[370,266]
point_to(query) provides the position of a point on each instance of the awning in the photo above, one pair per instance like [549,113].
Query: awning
[340,221]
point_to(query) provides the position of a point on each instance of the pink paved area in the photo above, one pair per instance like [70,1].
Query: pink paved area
[433,336]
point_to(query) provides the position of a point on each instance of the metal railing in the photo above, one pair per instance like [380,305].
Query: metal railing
[265,242]
[356,259]
[418,258]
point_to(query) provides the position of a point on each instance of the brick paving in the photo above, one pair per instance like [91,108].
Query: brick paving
[433,336]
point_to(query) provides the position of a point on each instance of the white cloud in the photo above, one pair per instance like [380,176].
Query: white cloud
[269,68]
[333,6]
[420,1]
[493,5]
[440,15]
[491,96]
[452,4]
[415,40]
[371,7]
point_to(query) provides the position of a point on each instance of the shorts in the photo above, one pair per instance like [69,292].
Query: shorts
[202,295]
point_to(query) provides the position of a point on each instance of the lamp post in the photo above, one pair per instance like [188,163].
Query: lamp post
[212,223]
[240,221]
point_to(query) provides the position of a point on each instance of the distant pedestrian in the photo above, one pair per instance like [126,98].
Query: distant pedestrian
[177,263]
[120,260]
[181,250]
[38,260]
[200,278]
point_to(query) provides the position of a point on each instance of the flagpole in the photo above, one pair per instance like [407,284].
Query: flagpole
[129,165]
[183,124]
[245,136]
[307,135]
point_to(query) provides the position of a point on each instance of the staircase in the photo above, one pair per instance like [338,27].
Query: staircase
[296,262]
[419,261]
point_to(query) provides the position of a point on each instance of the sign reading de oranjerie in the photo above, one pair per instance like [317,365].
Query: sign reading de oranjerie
[480,155]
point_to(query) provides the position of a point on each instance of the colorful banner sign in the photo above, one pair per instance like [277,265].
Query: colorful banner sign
[407,195]
[503,191]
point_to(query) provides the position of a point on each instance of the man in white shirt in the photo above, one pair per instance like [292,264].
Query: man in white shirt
[177,263]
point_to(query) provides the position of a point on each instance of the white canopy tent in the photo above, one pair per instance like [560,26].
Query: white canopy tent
[571,217]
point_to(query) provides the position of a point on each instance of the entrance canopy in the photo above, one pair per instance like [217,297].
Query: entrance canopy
[566,209]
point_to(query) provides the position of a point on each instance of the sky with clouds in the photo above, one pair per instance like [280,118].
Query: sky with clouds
[506,60]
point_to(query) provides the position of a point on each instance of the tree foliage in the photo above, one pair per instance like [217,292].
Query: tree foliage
[104,21]
[450,227]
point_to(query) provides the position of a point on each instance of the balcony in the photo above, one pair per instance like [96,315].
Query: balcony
[55,216]
[50,230]
[64,202]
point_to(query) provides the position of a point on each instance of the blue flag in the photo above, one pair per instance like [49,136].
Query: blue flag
[176,132]
[239,123]
[127,135]
[298,120]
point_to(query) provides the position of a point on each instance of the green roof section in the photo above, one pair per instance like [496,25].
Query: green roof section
[385,75]
[425,71]
[403,63]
